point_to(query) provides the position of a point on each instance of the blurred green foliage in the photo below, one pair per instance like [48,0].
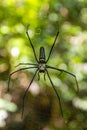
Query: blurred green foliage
[69,53]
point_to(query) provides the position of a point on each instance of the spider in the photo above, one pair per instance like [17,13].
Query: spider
[41,67]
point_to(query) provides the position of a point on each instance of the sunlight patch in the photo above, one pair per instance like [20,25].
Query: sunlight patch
[15,51]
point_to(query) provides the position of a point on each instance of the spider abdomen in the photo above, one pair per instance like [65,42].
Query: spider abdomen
[42,55]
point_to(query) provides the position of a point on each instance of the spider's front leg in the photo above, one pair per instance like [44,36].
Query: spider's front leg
[61,71]
[38,75]
[16,72]
[27,90]
[55,92]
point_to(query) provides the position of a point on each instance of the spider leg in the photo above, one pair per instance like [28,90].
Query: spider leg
[25,64]
[31,43]
[38,76]
[53,45]
[61,70]
[27,91]
[55,92]
[16,72]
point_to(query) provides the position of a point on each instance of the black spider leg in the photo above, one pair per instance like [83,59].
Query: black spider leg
[61,70]
[27,91]
[16,72]
[31,43]
[53,45]
[55,92]
[25,64]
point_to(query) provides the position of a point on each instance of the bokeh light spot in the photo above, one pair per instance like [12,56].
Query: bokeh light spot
[15,51]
